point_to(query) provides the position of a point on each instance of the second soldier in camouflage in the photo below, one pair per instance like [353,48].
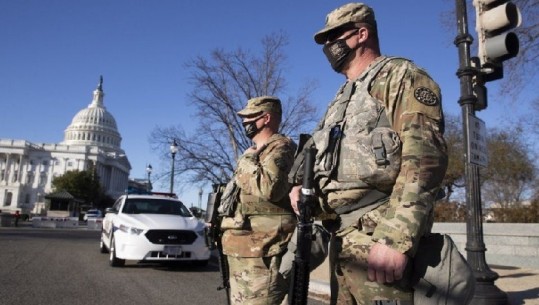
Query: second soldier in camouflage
[255,237]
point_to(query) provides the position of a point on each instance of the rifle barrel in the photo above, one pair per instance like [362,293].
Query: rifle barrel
[299,288]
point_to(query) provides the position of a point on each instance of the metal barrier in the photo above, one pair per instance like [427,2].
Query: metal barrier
[6,219]
[95,223]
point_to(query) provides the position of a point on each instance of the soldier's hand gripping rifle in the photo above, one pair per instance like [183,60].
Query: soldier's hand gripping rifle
[299,288]
[214,235]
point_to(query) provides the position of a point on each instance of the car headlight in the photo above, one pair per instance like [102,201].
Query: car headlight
[130,230]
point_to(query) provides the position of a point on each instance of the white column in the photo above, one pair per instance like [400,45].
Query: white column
[19,171]
[51,173]
[3,166]
[8,169]
[53,164]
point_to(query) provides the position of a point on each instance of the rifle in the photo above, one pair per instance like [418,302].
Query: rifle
[299,288]
[214,235]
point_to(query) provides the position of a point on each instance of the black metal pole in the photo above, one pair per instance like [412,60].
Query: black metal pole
[172,173]
[149,171]
[485,290]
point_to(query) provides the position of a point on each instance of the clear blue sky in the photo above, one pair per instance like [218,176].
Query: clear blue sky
[53,52]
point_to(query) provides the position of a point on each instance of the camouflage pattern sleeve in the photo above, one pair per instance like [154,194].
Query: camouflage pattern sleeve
[413,104]
[266,175]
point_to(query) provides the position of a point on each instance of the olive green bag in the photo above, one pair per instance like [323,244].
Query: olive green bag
[441,274]
[319,250]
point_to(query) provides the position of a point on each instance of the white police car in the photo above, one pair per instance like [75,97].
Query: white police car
[152,228]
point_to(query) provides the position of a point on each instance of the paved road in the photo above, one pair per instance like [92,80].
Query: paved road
[64,266]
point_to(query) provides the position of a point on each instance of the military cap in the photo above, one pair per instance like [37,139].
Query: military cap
[348,13]
[261,104]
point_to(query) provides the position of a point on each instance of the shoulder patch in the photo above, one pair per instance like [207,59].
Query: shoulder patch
[425,96]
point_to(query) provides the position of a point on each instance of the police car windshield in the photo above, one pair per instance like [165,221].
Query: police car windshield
[155,206]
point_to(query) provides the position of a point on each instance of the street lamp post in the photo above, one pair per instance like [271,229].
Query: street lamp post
[200,199]
[173,151]
[149,171]
[485,291]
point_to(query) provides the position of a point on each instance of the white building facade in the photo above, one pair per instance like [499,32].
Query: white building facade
[91,141]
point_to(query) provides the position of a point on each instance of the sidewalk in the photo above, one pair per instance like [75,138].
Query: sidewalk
[520,284]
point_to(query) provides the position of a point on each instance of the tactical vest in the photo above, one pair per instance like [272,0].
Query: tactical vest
[254,205]
[357,148]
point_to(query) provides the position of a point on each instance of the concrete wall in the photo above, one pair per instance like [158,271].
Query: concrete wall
[508,244]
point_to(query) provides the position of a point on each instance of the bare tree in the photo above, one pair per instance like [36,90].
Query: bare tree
[222,83]
[510,175]
[531,121]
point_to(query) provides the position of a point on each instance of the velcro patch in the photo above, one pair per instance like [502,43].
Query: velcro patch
[281,163]
[426,96]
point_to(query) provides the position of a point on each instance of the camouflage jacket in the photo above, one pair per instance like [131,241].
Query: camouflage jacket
[413,105]
[266,231]
[412,102]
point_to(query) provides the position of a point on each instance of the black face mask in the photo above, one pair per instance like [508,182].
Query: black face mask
[250,129]
[338,52]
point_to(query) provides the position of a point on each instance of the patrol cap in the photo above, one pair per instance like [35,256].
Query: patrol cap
[261,104]
[348,13]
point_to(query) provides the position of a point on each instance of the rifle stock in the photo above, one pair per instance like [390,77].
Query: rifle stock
[214,235]
[299,288]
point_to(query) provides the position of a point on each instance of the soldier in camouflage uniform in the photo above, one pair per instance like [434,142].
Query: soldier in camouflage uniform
[380,162]
[256,236]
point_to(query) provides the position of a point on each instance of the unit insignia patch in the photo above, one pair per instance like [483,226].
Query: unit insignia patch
[426,96]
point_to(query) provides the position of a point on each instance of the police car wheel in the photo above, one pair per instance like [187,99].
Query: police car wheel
[113,260]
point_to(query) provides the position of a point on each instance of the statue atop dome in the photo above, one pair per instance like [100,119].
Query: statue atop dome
[98,95]
[100,85]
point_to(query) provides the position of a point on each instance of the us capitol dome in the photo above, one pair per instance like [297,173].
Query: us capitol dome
[94,125]
[91,142]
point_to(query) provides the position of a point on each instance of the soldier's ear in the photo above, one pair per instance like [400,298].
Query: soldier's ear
[363,34]
[268,118]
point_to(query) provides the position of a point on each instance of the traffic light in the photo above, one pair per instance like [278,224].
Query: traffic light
[493,19]
[478,86]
